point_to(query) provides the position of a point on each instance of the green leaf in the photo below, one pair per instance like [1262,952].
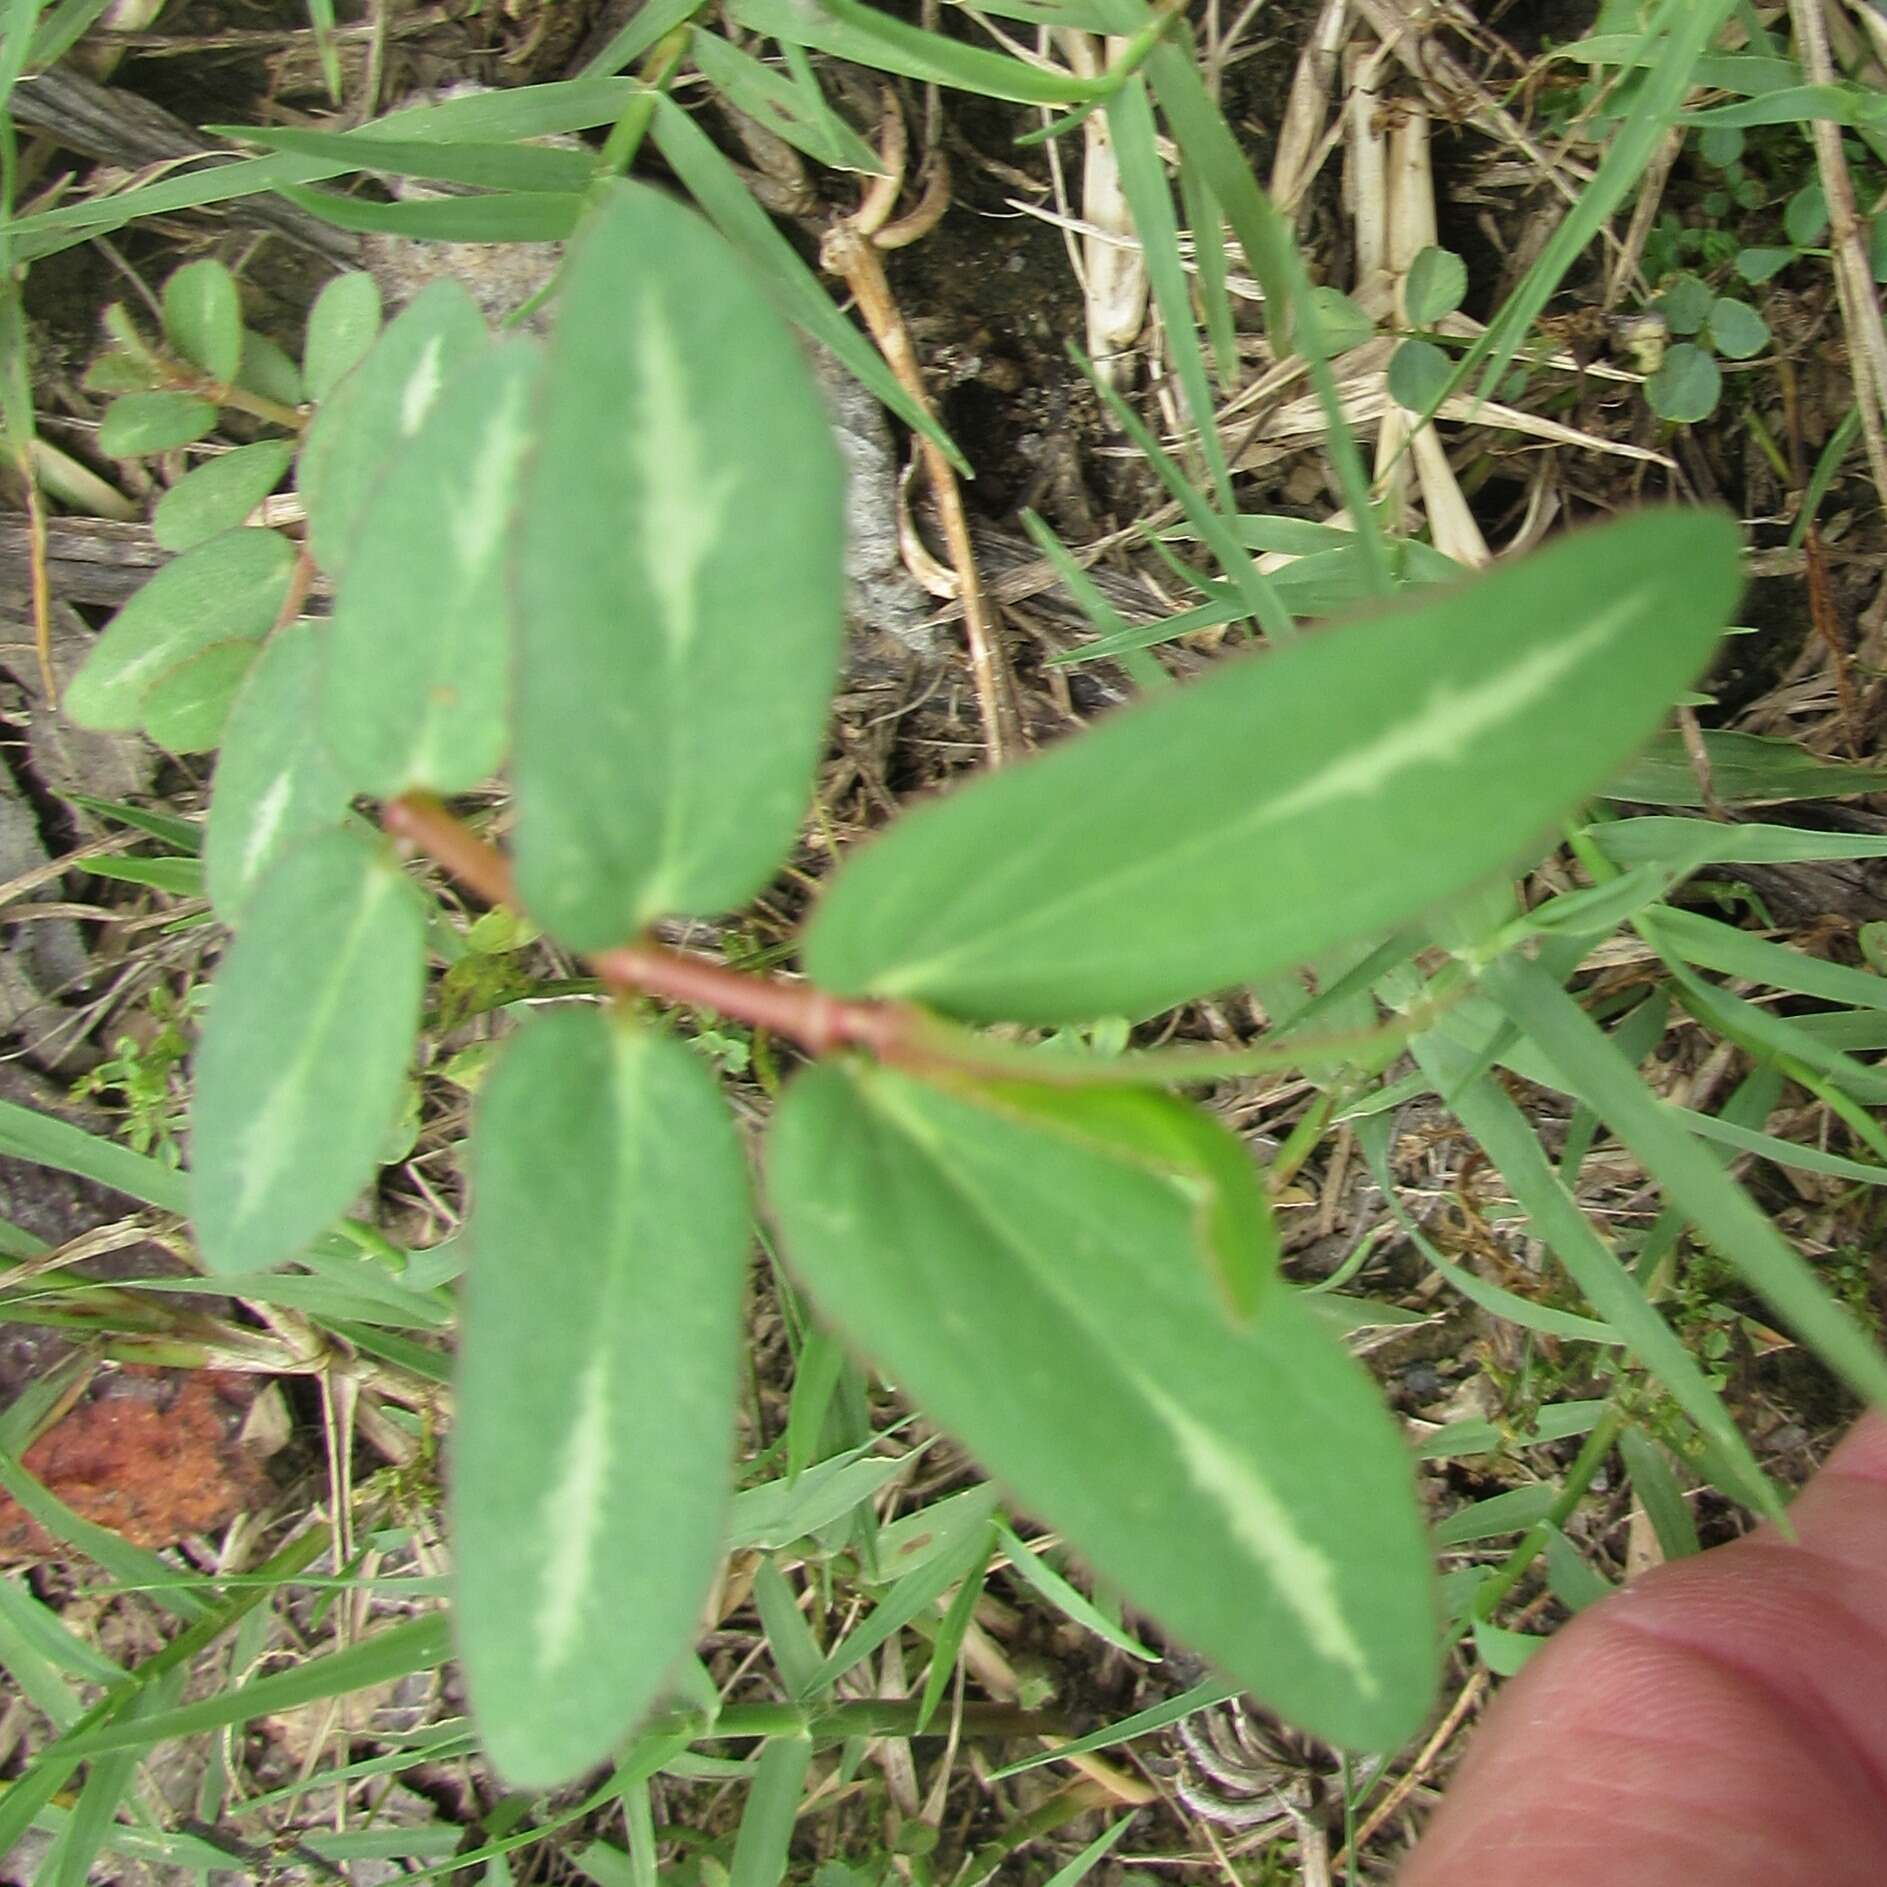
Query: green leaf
[181,835]
[153,422]
[663,748]
[182,877]
[514,216]
[1238,826]
[1795,104]
[229,589]
[1745,770]
[1805,215]
[304,1052]
[1685,845]
[1691,1177]
[1039,1298]
[1685,305]
[1418,373]
[377,409]
[596,1383]
[1489,1113]
[486,166]
[793,112]
[727,202]
[203,318]
[771,1812]
[1687,386]
[185,711]
[1736,329]
[26,1135]
[1438,279]
[416,1646]
[1345,323]
[1758,265]
[418,679]
[276,783]
[122,372]
[528,112]
[1150,204]
[342,325]
[1678,34]
[219,494]
[1658,1493]
[871,38]
[1234,1237]
[268,370]
[1090,1857]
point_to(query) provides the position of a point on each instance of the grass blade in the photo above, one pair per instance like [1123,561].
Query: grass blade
[1691,1177]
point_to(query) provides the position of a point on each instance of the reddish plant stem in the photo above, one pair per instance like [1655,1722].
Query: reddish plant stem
[424,824]
[817,1021]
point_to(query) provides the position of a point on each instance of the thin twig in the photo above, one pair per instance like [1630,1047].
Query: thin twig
[848,252]
[1407,1783]
[1847,239]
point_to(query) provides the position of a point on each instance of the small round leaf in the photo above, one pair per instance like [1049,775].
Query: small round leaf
[1418,371]
[1686,388]
[1758,265]
[1686,304]
[121,372]
[1737,330]
[1344,324]
[1805,216]
[203,318]
[153,422]
[1438,278]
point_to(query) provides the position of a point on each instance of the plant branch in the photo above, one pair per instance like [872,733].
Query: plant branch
[819,1022]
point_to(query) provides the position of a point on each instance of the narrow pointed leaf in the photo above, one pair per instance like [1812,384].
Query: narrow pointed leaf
[276,783]
[1040,1299]
[303,1057]
[1745,770]
[1690,1175]
[1286,804]
[226,590]
[481,165]
[377,409]
[418,683]
[596,1384]
[678,581]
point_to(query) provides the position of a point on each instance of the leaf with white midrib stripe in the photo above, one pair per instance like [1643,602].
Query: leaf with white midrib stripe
[1286,804]
[276,783]
[299,1071]
[678,580]
[596,1383]
[418,680]
[1045,1304]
